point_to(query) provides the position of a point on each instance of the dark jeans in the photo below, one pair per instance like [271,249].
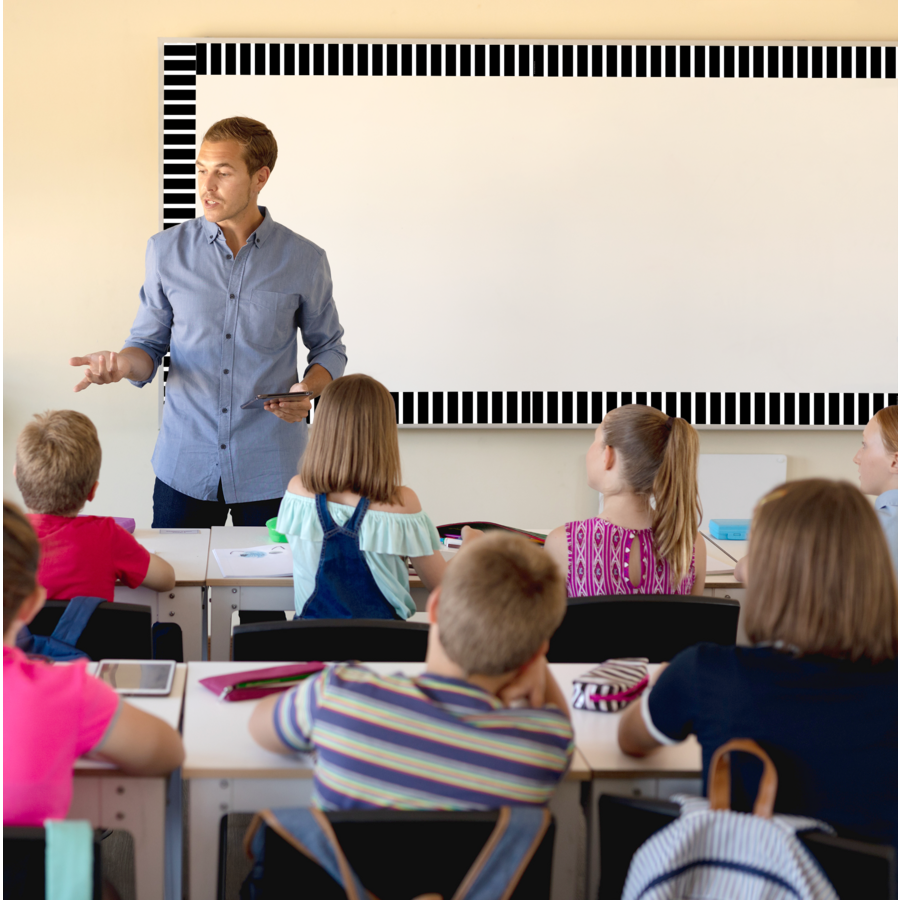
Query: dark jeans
[172,509]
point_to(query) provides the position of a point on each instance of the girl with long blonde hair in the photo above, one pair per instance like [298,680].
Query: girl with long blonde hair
[646,540]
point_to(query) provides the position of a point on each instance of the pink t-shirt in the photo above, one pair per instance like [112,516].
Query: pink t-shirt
[82,556]
[52,714]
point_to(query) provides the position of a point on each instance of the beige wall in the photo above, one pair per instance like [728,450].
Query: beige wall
[80,200]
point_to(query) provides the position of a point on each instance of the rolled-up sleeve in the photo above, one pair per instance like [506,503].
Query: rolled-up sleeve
[152,327]
[320,326]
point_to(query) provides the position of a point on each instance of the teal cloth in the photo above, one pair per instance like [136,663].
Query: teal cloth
[69,860]
[385,539]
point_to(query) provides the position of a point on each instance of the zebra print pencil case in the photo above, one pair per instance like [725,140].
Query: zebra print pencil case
[612,685]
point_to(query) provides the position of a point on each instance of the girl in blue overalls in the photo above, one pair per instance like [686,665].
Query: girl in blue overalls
[348,520]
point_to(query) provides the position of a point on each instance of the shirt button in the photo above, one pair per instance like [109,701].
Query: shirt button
[227,337]
[228,256]
[224,409]
[222,446]
[231,296]
[225,371]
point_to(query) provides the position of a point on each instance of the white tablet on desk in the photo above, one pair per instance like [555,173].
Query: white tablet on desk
[138,677]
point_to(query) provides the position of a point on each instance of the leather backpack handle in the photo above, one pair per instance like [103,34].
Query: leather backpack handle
[719,787]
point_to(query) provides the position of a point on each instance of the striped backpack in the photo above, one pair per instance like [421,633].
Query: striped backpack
[713,853]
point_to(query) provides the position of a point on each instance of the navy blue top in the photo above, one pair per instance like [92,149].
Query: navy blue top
[829,725]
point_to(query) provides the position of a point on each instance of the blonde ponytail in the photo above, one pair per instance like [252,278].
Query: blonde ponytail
[659,459]
[677,516]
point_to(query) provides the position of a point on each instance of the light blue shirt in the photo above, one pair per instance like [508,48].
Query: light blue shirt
[385,539]
[230,328]
[886,507]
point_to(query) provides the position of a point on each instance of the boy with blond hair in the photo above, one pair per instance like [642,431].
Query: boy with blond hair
[449,738]
[57,465]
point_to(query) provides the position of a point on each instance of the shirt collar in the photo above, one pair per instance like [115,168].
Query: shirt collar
[258,237]
[473,690]
[888,498]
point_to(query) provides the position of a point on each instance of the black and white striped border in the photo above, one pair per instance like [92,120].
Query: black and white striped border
[183,62]
[587,408]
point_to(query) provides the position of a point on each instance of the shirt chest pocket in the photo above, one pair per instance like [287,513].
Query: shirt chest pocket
[267,320]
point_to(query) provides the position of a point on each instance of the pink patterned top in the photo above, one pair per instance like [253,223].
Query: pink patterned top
[598,562]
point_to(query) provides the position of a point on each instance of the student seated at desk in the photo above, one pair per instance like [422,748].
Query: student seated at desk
[877,461]
[52,714]
[447,739]
[818,690]
[57,464]
[349,522]
[634,547]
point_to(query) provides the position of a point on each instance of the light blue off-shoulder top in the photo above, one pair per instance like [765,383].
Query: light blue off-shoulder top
[385,538]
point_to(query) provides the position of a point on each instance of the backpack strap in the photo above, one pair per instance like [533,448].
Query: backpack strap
[720,777]
[310,832]
[507,853]
[74,619]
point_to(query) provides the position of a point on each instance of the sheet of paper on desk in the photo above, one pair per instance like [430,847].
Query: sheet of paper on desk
[717,567]
[267,561]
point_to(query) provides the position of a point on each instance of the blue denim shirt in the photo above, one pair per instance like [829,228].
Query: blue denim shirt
[230,327]
[886,507]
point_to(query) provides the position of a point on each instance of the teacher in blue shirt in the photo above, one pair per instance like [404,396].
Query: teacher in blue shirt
[224,295]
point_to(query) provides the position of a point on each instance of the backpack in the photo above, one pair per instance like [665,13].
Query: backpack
[493,876]
[60,645]
[713,853]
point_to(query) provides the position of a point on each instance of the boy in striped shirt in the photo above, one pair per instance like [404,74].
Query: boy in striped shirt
[486,725]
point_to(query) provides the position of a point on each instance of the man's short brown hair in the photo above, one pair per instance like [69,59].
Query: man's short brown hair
[501,598]
[258,146]
[20,561]
[820,576]
[57,462]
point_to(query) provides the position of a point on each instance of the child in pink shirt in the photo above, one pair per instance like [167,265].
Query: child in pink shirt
[57,464]
[52,714]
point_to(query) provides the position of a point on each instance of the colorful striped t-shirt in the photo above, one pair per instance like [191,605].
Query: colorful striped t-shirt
[424,742]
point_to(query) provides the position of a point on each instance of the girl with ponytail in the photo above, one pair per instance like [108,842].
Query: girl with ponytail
[646,540]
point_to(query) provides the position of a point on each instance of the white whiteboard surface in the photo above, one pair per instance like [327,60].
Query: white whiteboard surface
[731,484]
[594,234]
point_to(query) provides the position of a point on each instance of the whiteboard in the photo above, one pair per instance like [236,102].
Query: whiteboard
[520,248]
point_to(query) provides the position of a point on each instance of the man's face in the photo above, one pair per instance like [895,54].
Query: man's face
[225,186]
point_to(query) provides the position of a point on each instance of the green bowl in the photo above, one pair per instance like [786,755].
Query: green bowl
[274,535]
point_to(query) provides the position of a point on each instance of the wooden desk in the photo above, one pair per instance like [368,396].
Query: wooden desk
[148,808]
[230,773]
[187,552]
[664,772]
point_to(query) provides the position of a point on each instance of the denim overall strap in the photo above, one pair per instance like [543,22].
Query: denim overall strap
[345,587]
[328,524]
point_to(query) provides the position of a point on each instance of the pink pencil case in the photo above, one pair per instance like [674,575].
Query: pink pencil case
[260,682]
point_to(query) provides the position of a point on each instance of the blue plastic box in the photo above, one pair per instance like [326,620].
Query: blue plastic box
[729,529]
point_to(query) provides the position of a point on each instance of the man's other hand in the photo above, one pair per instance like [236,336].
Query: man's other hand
[291,410]
[103,367]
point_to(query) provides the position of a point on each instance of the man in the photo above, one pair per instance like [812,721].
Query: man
[224,295]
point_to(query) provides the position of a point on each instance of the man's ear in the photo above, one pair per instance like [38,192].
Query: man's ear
[261,178]
[431,607]
[92,492]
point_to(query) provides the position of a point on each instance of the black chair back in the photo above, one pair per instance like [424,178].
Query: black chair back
[438,849]
[24,875]
[114,631]
[329,640]
[857,870]
[657,626]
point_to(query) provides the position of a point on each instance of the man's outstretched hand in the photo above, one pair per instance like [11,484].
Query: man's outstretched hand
[291,410]
[103,367]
